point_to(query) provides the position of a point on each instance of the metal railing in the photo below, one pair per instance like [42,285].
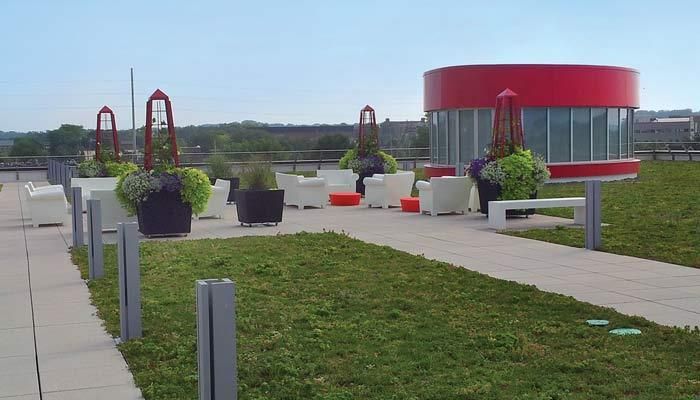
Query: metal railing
[681,151]
[292,158]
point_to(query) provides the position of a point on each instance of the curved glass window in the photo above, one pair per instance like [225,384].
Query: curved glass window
[442,137]
[623,133]
[559,135]
[433,137]
[582,134]
[466,135]
[452,134]
[535,130]
[613,134]
[600,133]
[484,122]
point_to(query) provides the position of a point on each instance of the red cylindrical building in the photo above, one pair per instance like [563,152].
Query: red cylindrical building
[579,117]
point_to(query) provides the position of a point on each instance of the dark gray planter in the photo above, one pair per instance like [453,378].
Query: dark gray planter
[259,206]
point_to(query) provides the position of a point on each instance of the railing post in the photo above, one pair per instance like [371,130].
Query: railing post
[76,207]
[593,225]
[129,281]
[95,247]
[320,158]
[216,339]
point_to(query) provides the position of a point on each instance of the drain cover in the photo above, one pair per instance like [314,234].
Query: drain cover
[626,331]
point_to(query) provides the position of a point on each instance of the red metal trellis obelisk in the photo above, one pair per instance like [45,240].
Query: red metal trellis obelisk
[158,95]
[367,122]
[507,126]
[107,112]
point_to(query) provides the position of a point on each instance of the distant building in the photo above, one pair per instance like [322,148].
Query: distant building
[398,134]
[672,129]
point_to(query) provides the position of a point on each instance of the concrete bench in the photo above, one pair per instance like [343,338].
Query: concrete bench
[497,209]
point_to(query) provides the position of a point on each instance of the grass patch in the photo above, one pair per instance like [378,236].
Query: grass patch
[656,216]
[323,316]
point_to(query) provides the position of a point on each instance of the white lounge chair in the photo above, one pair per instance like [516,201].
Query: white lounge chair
[302,192]
[33,188]
[46,206]
[338,180]
[386,190]
[445,194]
[88,184]
[111,210]
[217,200]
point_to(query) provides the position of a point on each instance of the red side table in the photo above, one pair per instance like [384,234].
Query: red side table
[345,198]
[410,204]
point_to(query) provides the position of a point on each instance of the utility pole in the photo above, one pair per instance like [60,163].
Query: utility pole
[133,116]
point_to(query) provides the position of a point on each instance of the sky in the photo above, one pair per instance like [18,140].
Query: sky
[281,61]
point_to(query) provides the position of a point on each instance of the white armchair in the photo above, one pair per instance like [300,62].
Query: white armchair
[445,194]
[302,192]
[89,184]
[111,210]
[386,190]
[46,206]
[217,200]
[338,180]
[33,188]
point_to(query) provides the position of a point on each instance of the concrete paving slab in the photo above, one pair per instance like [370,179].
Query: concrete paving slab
[82,378]
[16,342]
[19,384]
[120,392]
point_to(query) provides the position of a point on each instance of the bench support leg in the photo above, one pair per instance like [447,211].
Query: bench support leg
[497,217]
[580,215]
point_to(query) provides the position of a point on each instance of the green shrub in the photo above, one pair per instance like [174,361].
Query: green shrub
[390,164]
[195,188]
[115,169]
[91,169]
[257,176]
[218,167]
[523,175]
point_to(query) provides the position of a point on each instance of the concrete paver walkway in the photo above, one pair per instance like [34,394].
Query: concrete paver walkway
[52,344]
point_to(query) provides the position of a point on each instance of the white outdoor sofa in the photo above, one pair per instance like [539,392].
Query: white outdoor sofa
[386,190]
[47,187]
[46,206]
[111,210]
[497,209]
[88,184]
[445,194]
[338,180]
[217,200]
[302,192]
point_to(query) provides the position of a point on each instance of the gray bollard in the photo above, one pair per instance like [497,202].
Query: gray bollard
[129,280]
[76,207]
[593,222]
[95,246]
[216,339]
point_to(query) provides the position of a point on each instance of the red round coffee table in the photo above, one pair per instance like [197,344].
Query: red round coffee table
[410,204]
[345,198]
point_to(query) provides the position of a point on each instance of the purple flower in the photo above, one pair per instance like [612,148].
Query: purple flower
[170,182]
[476,165]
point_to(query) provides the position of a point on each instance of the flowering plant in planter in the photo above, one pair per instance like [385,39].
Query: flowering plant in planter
[517,175]
[193,186]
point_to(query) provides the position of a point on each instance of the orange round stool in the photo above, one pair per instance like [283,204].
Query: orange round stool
[345,198]
[410,204]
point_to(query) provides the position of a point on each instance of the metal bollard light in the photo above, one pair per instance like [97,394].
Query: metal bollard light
[95,246]
[216,339]
[129,281]
[593,210]
[76,207]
